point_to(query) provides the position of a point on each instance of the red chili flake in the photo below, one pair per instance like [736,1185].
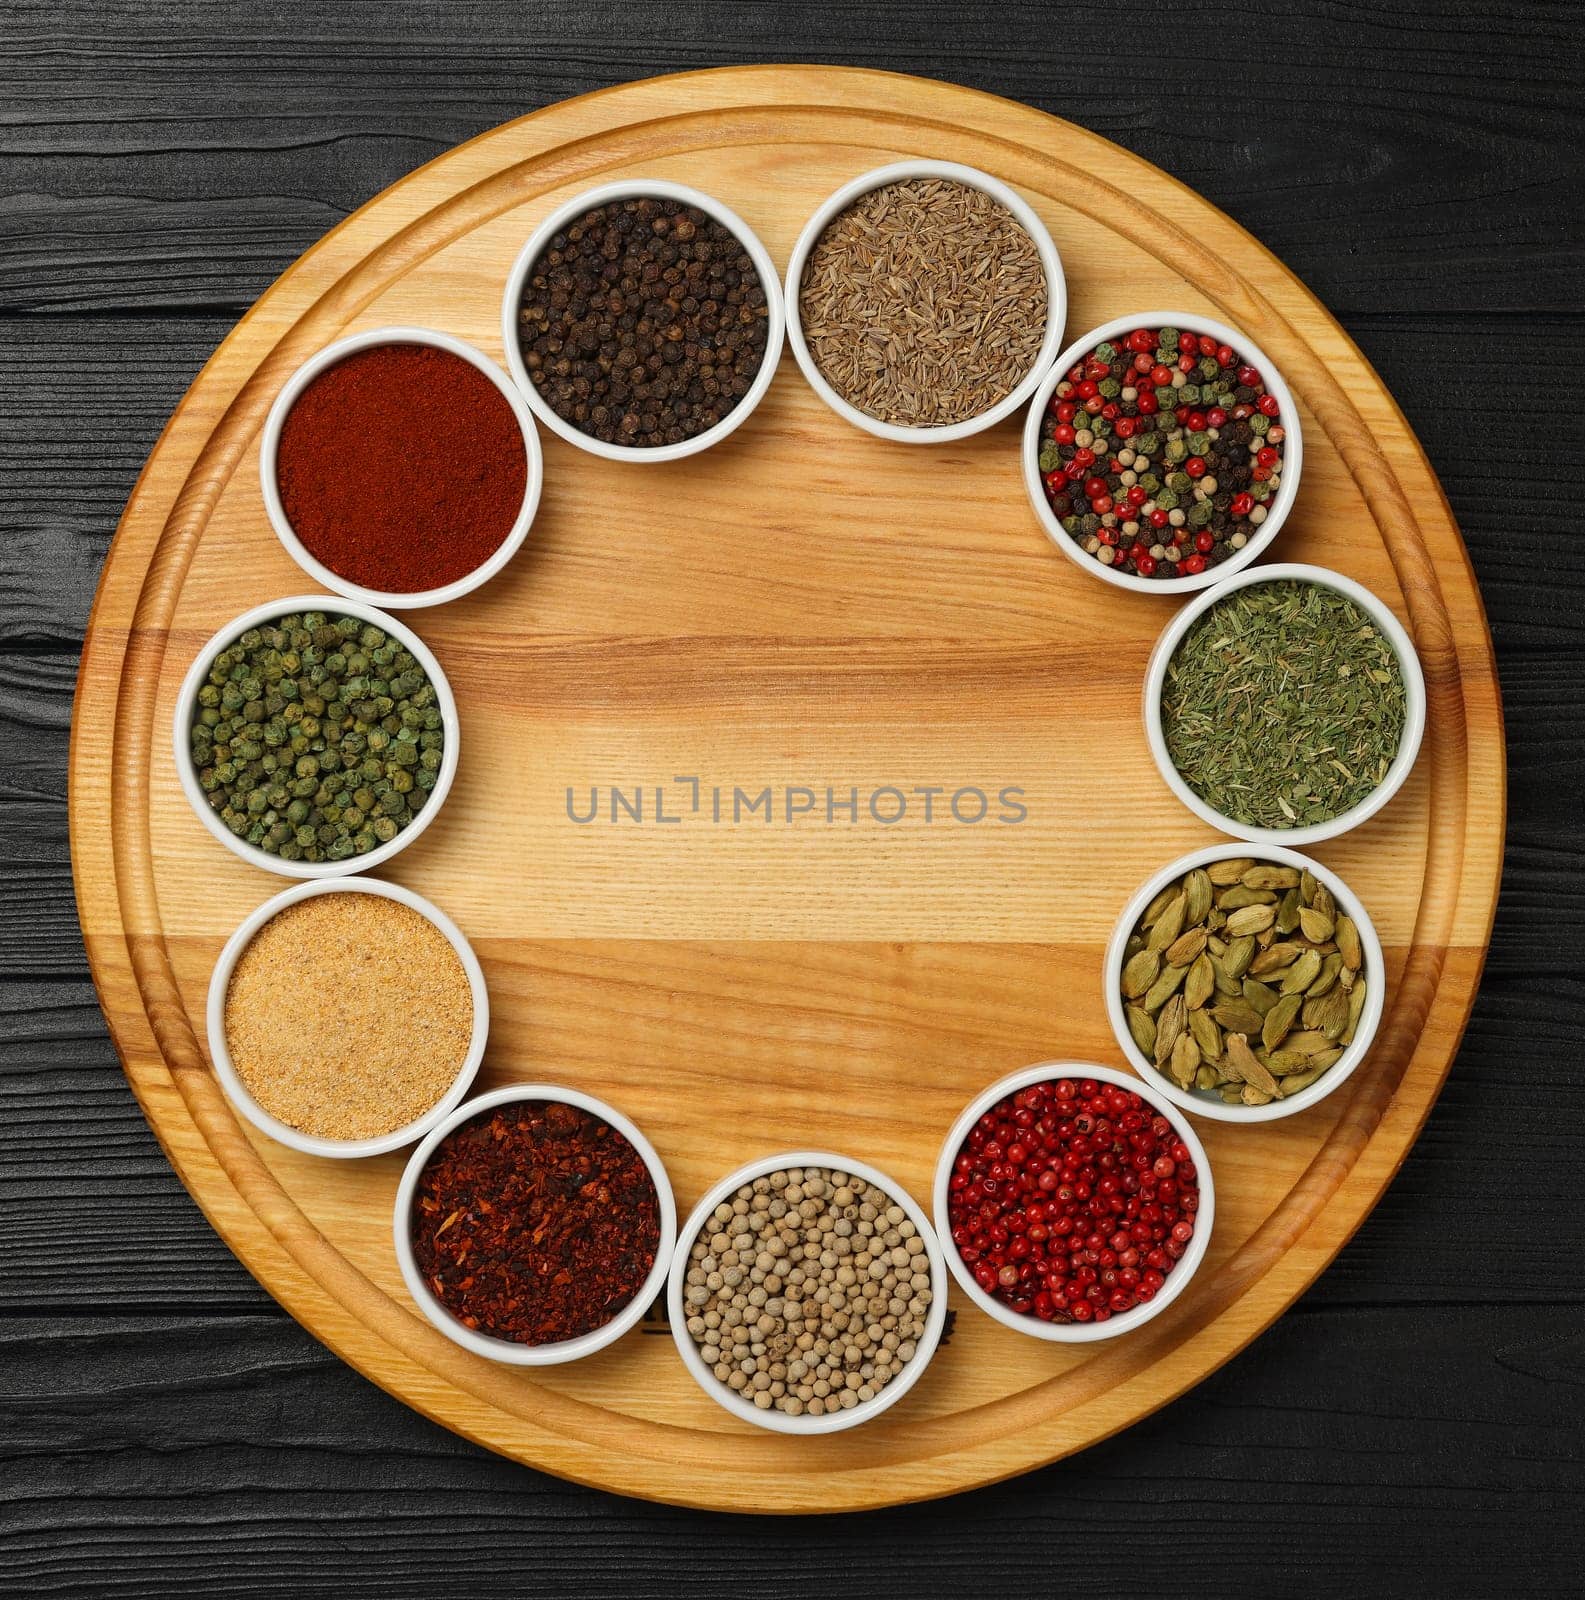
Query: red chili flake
[535,1222]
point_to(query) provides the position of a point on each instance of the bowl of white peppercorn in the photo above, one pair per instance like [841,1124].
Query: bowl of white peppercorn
[808,1293]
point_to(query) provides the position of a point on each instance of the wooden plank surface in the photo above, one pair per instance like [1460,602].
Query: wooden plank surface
[107,117]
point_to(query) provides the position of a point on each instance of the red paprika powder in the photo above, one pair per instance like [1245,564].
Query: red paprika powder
[535,1222]
[401,468]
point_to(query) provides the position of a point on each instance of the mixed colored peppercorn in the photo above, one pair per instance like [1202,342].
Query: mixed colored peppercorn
[535,1222]
[1072,1200]
[1161,452]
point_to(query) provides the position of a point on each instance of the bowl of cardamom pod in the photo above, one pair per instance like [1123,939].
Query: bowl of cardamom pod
[1245,985]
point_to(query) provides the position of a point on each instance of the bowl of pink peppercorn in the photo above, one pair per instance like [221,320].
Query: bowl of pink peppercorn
[1073,1202]
[1162,451]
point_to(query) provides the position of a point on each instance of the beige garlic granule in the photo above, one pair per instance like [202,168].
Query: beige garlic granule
[348,1015]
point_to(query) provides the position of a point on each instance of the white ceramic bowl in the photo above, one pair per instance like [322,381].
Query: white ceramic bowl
[311,1144]
[1201,1102]
[1414,705]
[903,172]
[187,702]
[1177,1279]
[642,189]
[270,444]
[506,1350]
[780,1421]
[1277,508]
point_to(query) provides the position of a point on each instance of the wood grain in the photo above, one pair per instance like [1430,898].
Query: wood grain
[702,981]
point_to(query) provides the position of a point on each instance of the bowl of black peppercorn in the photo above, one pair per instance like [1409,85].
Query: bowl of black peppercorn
[643,321]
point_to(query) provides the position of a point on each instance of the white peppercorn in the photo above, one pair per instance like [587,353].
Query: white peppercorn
[808,1292]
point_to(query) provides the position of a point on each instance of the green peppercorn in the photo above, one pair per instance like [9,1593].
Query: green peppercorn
[316,737]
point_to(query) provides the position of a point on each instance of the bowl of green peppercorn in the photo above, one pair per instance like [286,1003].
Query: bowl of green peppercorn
[315,736]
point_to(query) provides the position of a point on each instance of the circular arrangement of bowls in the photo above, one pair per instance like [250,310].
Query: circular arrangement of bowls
[1203,1103]
[333,605]
[780,1421]
[1034,392]
[903,172]
[1414,704]
[270,445]
[1176,1281]
[1292,450]
[507,1350]
[237,1091]
[539,241]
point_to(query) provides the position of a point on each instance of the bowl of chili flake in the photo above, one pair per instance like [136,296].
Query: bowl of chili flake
[535,1225]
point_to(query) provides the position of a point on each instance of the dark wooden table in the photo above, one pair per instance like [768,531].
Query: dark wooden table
[1413,1427]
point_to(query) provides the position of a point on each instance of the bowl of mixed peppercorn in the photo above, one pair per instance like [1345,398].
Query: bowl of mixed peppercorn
[1162,451]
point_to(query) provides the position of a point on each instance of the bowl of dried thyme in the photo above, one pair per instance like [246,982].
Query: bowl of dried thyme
[1286,705]
[1244,984]
[1162,451]
[925,301]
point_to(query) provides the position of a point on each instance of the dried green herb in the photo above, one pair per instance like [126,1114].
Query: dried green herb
[1284,705]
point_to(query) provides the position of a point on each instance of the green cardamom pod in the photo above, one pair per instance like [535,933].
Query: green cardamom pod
[1251,919]
[1197,897]
[1356,1008]
[1188,945]
[1240,952]
[1273,958]
[1169,1025]
[1141,971]
[1304,971]
[1166,984]
[1259,995]
[1271,875]
[1237,1016]
[1143,1028]
[1331,967]
[1201,982]
[1279,1020]
[1168,925]
[1206,1034]
[1230,870]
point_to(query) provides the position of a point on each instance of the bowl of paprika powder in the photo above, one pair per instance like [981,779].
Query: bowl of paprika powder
[400,467]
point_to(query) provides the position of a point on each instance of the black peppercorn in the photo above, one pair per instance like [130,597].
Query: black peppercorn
[643,323]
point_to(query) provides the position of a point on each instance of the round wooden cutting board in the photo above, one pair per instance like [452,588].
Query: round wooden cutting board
[804,605]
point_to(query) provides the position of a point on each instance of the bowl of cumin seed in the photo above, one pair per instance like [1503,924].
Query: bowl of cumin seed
[925,301]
